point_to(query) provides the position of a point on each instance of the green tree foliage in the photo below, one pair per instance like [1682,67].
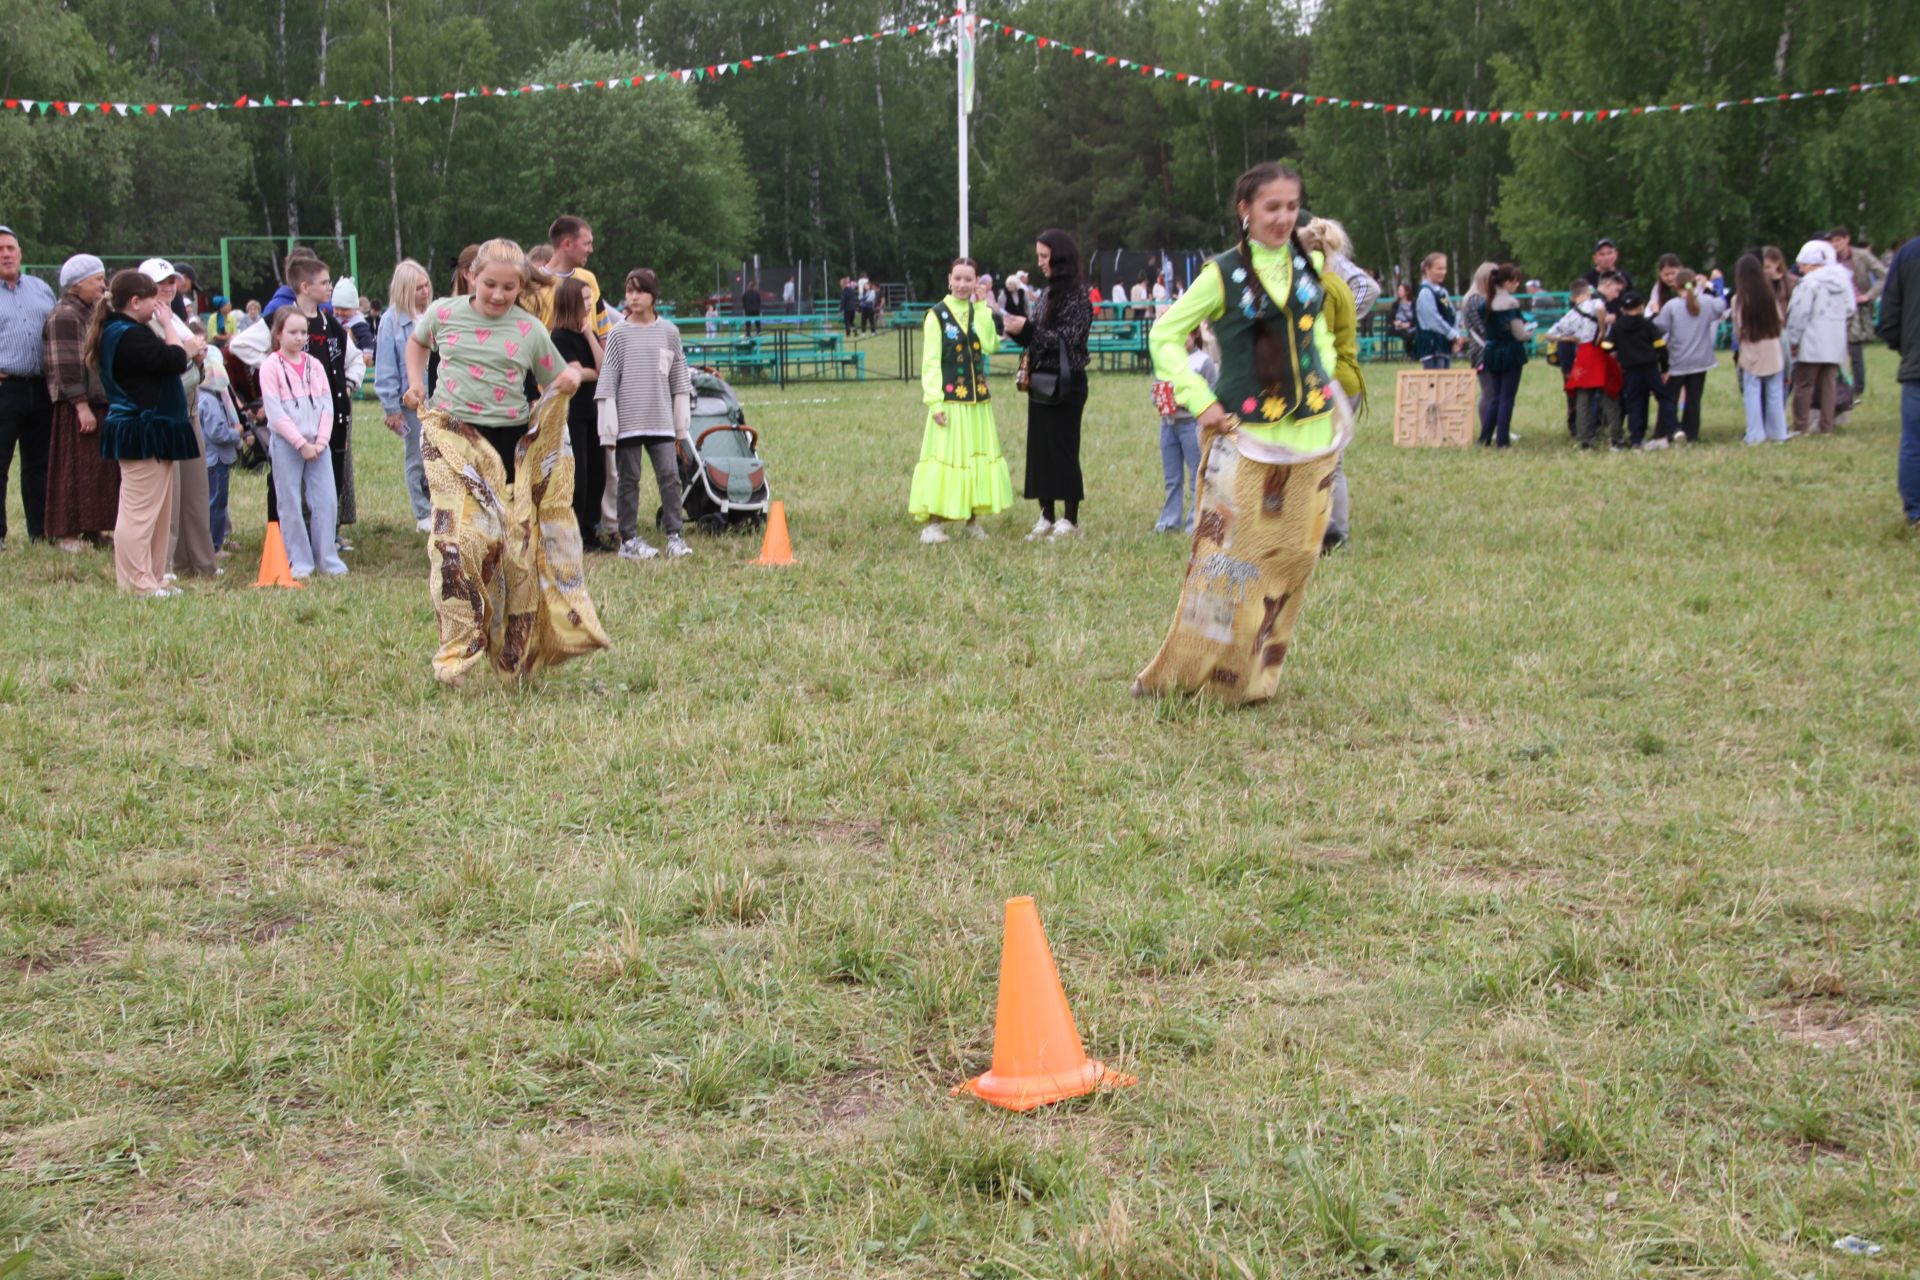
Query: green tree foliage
[846,158]
[109,186]
[1708,184]
[661,179]
[1404,186]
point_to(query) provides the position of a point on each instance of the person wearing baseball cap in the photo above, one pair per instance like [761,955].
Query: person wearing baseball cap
[25,414]
[192,546]
[1817,318]
[1606,260]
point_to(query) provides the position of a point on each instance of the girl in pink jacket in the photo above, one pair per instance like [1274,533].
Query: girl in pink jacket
[298,402]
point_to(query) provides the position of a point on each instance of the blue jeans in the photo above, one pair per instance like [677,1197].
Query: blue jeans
[295,478]
[1500,389]
[1180,466]
[1766,407]
[1910,448]
[217,501]
[1436,362]
[416,469]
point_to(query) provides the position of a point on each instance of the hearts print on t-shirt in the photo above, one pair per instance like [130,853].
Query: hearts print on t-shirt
[476,371]
[445,315]
[526,327]
[546,362]
[499,395]
[513,348]
[482,335]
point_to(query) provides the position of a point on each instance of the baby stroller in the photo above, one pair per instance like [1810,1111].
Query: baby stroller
[723,482]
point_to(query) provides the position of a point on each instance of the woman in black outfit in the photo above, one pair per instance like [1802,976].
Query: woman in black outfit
[1062,316]
[573,337]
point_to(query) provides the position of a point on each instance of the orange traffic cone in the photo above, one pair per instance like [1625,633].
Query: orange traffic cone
[776,549]
[1037,1054]
[274,569]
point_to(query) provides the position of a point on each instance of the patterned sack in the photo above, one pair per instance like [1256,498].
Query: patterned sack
[506,576]
[1256,541]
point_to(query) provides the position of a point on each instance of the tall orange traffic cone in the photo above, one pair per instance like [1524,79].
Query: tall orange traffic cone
[776,549]
[1037,1054]
[274,569]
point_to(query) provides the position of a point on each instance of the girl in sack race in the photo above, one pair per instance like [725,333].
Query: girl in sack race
[504,551]
[1272,429]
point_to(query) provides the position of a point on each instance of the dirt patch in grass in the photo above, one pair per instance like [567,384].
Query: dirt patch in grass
[850,1099]
[1823,1025]
[86,951]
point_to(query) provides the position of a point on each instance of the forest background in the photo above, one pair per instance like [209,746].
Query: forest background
[847,157]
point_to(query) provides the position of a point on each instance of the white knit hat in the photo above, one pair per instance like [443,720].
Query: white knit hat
[346,294]
[1817,252]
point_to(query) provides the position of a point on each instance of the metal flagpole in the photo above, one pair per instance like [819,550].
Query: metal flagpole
[964,23]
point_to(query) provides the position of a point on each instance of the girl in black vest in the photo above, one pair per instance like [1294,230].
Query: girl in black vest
[1055,337]
[1273,428]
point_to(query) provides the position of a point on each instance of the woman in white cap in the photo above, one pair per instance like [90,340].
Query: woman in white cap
[83,487]
[1817,317]
[192,508]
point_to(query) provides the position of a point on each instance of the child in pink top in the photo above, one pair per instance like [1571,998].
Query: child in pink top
[298,402]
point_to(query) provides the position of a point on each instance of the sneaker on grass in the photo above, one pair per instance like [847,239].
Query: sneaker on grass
[933,535]
[1042,530]
[677,547]
[637,549]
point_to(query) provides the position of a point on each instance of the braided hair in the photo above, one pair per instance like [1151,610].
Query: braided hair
[1269,352]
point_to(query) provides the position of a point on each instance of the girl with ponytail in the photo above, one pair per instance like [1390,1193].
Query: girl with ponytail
[1273,429]
[1690,320]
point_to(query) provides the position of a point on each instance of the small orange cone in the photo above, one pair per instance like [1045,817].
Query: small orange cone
[776,549]
[1037,1054]
[274,569]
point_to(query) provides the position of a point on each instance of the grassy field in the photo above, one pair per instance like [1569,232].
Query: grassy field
[1559,918]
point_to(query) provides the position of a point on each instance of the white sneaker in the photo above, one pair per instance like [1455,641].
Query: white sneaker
[933,535]
[1064,529]
[1651,445]
[975,531]
[1042,530]
[163,593]
[1679,437]
[636,549]
[424,524]
[677,547]
[168,579]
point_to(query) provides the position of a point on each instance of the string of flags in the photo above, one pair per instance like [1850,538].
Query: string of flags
[245,101]
[1437,115]
[1130,66]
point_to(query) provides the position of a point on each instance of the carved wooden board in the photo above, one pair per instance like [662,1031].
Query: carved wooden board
[1436,407]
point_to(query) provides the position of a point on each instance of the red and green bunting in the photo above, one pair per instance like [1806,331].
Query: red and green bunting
[713,71]
[684,75]
[1437,115]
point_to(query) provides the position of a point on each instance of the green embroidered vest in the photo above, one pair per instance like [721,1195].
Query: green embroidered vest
[963,369]
[1302,391]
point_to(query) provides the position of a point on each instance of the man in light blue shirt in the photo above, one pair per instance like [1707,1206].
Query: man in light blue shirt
[26,414]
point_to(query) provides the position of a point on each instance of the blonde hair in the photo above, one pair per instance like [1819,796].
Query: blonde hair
[534,283]
[1333,236]
[407,279]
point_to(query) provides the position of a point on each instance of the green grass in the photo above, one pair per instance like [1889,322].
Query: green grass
[1559,917]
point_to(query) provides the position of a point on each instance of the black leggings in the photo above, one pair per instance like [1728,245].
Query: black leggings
[1072,506]
[504,440]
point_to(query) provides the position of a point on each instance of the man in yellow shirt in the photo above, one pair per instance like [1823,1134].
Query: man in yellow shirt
[572,241]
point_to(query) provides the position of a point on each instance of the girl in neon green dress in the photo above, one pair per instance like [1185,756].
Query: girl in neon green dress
[961,474]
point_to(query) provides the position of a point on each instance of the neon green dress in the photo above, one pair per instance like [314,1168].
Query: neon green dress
[961,473]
